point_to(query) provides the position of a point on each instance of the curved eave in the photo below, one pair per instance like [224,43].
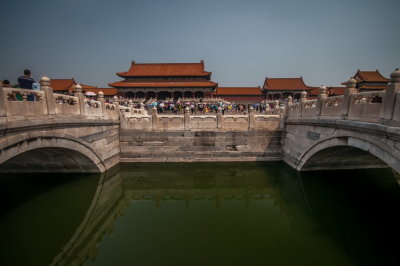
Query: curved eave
[191,85]
[127,75]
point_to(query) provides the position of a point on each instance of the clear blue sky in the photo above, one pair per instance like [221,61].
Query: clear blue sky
[242,42]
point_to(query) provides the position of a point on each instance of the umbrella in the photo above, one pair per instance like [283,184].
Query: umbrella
[90,93]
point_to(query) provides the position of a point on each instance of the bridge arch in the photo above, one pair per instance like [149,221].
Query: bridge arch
[48,153]
[355,151]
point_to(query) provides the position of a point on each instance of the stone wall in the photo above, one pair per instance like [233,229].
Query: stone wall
[188,146]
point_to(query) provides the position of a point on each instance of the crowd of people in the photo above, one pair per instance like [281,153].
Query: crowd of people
[200,107]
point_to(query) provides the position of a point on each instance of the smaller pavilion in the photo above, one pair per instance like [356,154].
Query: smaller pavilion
[281,88]
[63,85]
[370,81]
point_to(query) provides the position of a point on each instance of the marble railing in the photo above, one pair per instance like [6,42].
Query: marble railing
[19,104]
[374,106]
[140,120]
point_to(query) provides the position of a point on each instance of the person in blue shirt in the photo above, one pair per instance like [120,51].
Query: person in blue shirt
[25,82]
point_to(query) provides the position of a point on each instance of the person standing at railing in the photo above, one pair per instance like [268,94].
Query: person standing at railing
[331,92]
[25,82]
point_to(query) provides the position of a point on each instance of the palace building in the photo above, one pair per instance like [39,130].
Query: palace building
[281,88]
[165,80]
[370,81]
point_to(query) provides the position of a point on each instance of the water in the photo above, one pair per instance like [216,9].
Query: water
[201,214]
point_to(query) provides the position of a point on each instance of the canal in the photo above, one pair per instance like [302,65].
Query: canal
[201,214]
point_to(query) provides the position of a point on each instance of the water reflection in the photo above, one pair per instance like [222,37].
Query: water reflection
[39,214]
[199,214]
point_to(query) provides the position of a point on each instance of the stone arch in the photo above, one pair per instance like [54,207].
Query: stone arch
[362,147]
[130,94]
[51,153]
[199,94]
[177,95]
[151,94]
[141,94]
[188,94]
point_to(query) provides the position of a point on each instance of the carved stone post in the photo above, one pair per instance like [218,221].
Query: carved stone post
[187,118]
[100,98]
[251,118]
[267,109]
[303,99]
[78,93]
[320,98]
[276,107]
[3,99]
[48,94]
[282,116]
[130,104]
[350,89]
[154,117]
[288,104]
[289,100]
[142,109]
[219,117]
[116,103]
[390,96]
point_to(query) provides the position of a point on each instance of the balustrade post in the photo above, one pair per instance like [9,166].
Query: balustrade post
[187,118]
[282,117]
[116,103]
[154,117]
[288,104]
[48,94]
[350,89]
[78,93]
[267,109]
[100,98]
[3,100]
[251,118]
[303,99]
[219,117]
[130,104]
[389,100]
[276,107]
[320,98]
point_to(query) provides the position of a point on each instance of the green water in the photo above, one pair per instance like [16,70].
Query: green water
[201,214]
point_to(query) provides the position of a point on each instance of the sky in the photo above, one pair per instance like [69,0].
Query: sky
[241,42]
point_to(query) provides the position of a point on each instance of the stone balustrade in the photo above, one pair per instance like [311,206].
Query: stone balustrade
[375,106]
[212,121]
[20,104]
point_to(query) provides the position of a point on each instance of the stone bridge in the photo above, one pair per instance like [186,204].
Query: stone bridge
[357,130]
[41,131]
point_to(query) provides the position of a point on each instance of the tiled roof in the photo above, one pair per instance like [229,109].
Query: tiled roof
[369,87]
[370,76]
[62,84]
[106,91]
[165,69]
[85,87]
[238,91]
[336,90]
[247,98]
[163,84]
[285,84]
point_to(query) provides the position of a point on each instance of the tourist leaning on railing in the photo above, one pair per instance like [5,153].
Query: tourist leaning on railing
[25,82]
